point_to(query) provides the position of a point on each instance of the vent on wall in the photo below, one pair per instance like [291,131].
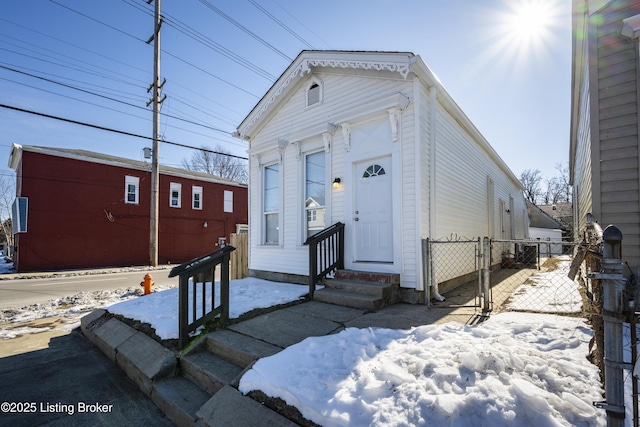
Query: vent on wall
[19,215]
[314,94]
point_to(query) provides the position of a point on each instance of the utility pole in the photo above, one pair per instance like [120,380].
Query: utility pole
[155,173]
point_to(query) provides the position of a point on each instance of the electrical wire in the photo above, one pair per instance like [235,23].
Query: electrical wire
[245,30]
[281,24]
[108,98]
[49,116]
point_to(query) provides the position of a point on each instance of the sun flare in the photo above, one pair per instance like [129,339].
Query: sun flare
[529,20]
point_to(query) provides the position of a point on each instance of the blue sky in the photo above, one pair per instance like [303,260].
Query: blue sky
[505,62]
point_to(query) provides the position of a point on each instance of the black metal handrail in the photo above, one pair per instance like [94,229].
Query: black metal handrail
[198,272]
[326,253]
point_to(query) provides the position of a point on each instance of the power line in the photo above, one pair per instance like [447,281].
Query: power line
[98,21]
[49,116]
[163,51]
[112,99]
[282,24]
[246,30]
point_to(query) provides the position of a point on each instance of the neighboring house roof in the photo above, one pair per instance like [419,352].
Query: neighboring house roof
[540,219]
[90,156]
[402,63]
[559,210]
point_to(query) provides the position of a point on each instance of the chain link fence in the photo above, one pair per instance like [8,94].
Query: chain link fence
[452,263]
[533,276]
[504,275]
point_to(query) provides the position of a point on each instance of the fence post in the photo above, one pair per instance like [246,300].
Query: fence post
[426,271]
[486,265]
[613,284]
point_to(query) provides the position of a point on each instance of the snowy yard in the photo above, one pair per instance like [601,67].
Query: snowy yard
[549,292]
[515,369]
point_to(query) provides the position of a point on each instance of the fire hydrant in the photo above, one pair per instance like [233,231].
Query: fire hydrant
[147,283]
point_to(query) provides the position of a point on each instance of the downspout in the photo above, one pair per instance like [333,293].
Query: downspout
[432,182]
[419,190]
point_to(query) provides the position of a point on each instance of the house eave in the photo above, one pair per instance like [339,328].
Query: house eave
[304,64]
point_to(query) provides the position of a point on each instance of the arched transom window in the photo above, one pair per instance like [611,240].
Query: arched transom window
[373,170]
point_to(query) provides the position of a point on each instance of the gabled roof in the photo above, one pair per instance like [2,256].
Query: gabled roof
[559,210]
[402,63]
[540,219]
[89,156]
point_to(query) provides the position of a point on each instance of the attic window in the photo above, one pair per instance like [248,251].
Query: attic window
[314,94]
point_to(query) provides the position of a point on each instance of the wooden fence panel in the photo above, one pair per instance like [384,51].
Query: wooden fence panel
[239,267]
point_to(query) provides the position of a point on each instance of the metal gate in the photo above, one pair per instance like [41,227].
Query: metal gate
[454,267]
[502,275]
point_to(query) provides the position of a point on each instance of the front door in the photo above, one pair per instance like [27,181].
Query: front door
[373,219]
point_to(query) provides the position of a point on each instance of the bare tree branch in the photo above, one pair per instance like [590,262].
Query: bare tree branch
[215,162]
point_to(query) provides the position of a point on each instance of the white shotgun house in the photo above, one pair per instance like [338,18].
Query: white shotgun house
[374,141]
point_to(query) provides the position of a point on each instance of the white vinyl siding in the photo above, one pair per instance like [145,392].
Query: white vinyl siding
[131,190]
[462,163]
[175,195]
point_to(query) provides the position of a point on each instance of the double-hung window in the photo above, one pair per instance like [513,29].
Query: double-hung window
[175,192]
[271,204]
[228,201]
[314,198]
[196,197]
[131,189]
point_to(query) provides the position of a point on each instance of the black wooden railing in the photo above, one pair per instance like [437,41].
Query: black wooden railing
[326,253]
[194,275]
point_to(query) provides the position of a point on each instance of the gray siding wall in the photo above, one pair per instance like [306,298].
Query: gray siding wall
[618,127]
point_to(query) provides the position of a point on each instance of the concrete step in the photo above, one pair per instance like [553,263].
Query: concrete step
[379,290]
[179,399]
[229,407]
[365,276]
[209,371]
[237,348]
[349,299]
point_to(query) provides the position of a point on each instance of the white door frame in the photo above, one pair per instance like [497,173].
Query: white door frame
[373,209]
[396,199]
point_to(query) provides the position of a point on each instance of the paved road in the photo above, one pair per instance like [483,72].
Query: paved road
[21,292]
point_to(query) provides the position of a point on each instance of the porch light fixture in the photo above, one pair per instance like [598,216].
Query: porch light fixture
[336,182]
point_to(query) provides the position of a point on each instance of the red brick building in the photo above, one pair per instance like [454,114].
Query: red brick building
[80,209]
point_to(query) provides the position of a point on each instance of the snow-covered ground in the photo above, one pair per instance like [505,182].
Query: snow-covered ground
[514,369]
[549,292]
[160,309]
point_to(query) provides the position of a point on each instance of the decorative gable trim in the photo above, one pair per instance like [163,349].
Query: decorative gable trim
[306,66]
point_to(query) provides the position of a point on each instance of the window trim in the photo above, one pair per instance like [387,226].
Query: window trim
[305,209]
[227,206]
[277,212]
[135,181]
[196,190]
[175,186]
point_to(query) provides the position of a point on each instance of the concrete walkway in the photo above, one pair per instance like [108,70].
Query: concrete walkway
[166,378]
[75,383]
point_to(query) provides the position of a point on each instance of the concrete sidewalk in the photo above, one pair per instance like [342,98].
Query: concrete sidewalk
[71,383]
[190,388]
